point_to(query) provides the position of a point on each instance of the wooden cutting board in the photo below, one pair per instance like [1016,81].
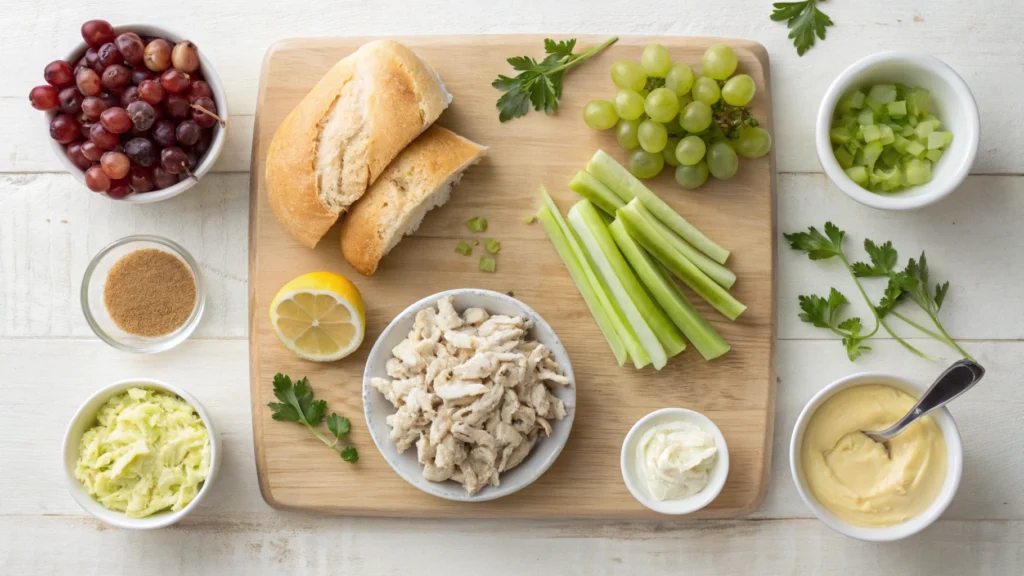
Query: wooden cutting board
[297,472]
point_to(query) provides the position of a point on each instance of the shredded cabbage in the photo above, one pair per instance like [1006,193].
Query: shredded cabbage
[149,452]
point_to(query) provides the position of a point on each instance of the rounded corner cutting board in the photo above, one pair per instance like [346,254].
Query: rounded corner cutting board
[296,471]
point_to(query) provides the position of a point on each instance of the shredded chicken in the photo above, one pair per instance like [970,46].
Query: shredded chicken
[472,394]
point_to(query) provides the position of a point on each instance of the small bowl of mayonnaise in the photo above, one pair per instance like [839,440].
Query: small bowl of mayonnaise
[675,461]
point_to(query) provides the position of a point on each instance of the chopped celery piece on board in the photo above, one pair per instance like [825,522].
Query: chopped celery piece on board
[488,264]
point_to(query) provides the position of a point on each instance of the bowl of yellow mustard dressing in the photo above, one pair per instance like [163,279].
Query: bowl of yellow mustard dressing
[865,489]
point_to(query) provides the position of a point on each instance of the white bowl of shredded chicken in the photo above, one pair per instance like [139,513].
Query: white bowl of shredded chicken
[469,395]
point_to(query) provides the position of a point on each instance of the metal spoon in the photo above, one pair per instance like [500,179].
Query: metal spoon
[956,380]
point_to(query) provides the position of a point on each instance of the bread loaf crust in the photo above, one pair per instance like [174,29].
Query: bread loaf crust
[397,97]
[410,184]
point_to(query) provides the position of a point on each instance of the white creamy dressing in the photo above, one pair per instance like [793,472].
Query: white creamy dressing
[674,460]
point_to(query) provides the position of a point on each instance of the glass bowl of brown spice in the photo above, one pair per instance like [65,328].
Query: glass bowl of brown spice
[143,294]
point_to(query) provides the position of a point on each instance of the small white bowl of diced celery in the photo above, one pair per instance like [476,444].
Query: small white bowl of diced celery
[898,130]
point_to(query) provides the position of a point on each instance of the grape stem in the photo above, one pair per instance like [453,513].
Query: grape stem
[222,121]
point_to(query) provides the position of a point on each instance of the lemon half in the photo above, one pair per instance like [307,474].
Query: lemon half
[319,316]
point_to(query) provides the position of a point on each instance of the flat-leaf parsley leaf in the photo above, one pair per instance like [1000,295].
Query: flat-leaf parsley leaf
[297,405]
[804,20]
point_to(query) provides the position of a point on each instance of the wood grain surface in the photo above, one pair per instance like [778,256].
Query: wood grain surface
[736,391]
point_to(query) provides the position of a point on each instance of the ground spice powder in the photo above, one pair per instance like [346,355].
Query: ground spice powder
[149,292]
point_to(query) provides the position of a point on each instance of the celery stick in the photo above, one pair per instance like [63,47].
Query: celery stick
[618,321]
[626,186]
[705,339]
[656,243]
[624,287]
[591,188]
[720,274]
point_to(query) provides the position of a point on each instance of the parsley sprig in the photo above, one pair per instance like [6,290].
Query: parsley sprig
[804,20]
[911,283]
[539,83]
[297,405]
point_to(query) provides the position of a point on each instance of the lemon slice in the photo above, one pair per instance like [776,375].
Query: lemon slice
[319,316]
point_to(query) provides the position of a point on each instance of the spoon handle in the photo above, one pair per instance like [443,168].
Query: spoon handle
[953,382]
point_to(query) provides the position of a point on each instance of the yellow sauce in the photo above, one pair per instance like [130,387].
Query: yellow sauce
[853,476]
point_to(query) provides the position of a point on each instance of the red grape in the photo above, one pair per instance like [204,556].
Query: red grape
[173,160]
[115,164]
[202,118]
[192,159]
[131,47]
[92,59]
[174,81]
[96,179]
[198,89]
[141,151]
[59,74]
[157,55]
[187,133]
[204,143]
[103,138]
[151,91]
[97,33]
[109,55]
[163,179]
[92,107]
[140,75]
[177,106]
[141,114]
[116,77]
[85,127]
[111,99]
[164,133]
[185,56]
[130,94]
[88,82]
[76,156]
[70,100]
[44,98]
[140,179]
[64,128]
[91,151]
[119,189]
[116,120]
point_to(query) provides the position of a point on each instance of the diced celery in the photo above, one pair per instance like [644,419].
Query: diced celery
[844,158]
[913,120]
[890,157]
[947,138]
[897,109]
[908,131]
[873,104]
[915,148]
[642,314]
[936,140]
[840,135]
[626,187]
[900,144]
[853,101]
[891,179]
[925,127]
[584,184]
[886,137]
[866,117]
[611,320]
[917,101]
[874,178]
[852,146]
[883,93]
[717,272]
[655,243]
[872,151]
[704,337]
[882,117]
[858,174]
[933,155]
[932,118]
[870,133]
[846,121]
[919,172]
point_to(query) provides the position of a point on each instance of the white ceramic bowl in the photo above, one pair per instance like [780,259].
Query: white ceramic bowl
[376,407]
[954,461]
[694,502]
[951,101]
[219,132]
[85,418]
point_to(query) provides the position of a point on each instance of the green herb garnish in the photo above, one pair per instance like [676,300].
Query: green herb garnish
[910,283]
[464,248]
[487,264]
[539,83]
[297,405]
[804,21]
[477,224]
[492,246]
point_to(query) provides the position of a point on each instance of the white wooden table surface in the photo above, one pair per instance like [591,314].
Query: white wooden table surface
[50,361]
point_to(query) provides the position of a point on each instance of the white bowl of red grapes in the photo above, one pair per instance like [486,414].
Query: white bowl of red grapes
[136,112]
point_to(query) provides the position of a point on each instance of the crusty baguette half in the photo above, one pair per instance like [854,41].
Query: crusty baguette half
[420,179]
[342,135]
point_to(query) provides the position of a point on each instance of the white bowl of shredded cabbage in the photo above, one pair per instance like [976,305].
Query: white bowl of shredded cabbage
[140,454]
